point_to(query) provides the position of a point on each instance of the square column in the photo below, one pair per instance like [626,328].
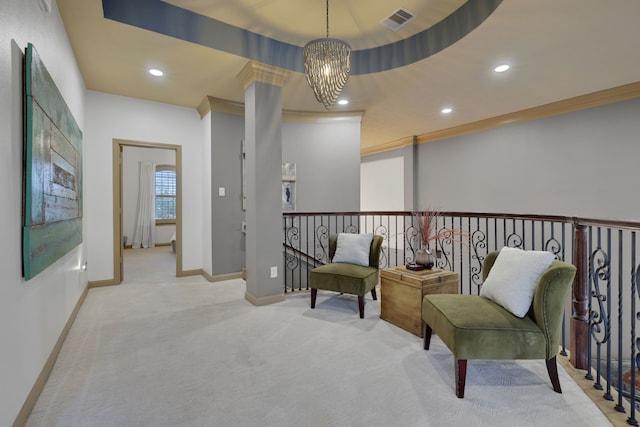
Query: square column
[263,145]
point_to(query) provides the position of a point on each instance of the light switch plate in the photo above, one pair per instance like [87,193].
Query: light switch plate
[221,191]
[274,272]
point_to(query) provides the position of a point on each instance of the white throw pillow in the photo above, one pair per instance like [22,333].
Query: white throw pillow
[353,248]
[512,279]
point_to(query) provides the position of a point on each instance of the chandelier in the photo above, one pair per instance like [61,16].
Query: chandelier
[327,63]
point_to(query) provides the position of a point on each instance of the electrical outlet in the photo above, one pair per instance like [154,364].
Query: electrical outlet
[274,272]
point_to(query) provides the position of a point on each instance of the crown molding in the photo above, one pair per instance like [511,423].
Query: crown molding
[258,72]
[388,146]
[590,100]
[210,103]
[319,117]
[582,102]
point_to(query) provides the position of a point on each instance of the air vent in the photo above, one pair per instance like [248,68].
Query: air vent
[398,19]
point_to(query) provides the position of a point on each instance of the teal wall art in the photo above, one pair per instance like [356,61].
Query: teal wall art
[52,211]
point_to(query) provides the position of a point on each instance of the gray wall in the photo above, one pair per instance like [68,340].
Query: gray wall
[228,241]
[578,164]
[327,158]
[583,163]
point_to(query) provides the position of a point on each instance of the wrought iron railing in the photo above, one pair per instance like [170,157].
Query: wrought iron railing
[306,240]
[600,320]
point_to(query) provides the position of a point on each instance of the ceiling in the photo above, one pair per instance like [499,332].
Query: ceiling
[557,50]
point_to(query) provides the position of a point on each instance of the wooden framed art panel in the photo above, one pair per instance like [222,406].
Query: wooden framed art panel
[52,201]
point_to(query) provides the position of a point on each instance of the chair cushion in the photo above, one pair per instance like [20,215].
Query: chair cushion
[477,328]
[353,248]
[513,278]
[341,277]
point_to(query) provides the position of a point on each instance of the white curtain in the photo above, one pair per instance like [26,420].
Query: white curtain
[144,233]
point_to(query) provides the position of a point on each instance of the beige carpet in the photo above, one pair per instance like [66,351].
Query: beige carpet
[161,351]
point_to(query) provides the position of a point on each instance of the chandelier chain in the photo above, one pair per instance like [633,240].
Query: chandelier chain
[327,18]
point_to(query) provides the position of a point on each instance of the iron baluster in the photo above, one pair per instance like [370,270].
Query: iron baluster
[589,374]
[619,406]
[598,320]
[635,289]
[477,241]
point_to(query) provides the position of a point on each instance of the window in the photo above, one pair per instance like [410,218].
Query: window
[165,194]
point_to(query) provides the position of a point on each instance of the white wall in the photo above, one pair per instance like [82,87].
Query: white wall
[112,117]
[382,181]
[207,241]
[33,313]
[131,157]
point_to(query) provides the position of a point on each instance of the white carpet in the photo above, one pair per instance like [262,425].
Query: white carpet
[185,352]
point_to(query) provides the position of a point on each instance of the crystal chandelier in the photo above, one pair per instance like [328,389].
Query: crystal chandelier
[327,63]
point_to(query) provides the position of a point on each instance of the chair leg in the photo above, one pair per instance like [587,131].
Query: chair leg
[373,294]
[314,293]
[426,333]
[361,305]
[552,369]
[461,376]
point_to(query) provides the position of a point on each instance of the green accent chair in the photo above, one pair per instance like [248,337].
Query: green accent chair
[473,327]
[347,278]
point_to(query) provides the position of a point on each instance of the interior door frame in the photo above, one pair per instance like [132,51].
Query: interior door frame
[118,247]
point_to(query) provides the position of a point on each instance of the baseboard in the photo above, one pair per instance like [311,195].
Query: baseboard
[155,245]
[101,283]
[221,277]
[259,301]
[185,273]
[36,390]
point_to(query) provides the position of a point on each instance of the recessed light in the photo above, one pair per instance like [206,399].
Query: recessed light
[155,72]
[501,68]
[343,102]
[446,110]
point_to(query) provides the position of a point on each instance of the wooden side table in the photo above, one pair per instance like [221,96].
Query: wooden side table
[401,292]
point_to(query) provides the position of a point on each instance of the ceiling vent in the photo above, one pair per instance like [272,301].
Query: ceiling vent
[398,19]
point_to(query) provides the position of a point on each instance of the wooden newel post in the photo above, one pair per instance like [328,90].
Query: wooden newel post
[580,299]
